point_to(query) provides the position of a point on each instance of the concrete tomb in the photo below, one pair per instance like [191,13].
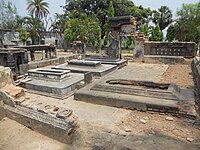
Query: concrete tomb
[82,66]
[140,95]
[55,83]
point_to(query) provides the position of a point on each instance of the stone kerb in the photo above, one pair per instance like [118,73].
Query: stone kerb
[196,76]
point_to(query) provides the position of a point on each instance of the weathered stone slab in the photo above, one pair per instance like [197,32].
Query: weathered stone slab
[81,66]
[50,74]
[119,62]
[84,63]
[56,128]
[119,90]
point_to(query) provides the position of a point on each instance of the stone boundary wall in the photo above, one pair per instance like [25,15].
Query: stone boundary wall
[38,64]
[185,49]
[196,76]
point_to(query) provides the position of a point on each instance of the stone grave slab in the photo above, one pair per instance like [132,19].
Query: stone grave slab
[121,89]
[82,66]
[55,83]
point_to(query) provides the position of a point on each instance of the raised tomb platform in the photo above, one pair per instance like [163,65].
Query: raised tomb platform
[55,83]
[105,60]
[83,66]
[124,89]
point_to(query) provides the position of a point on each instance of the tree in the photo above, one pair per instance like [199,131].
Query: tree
[83,28]
[187,27]
[170,33]
[35,27]
[145,29]
[59,24]
[162,17]
[8,13]
[23,36]
[111,13]
[100,9]
[156,34]
[142,15]
[38,8]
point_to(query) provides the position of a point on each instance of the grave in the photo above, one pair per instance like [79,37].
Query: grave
[140,92]
[121,25]
[82,66]
[55,83]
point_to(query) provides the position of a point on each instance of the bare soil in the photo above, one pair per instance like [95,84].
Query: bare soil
[158,124]
[180,75]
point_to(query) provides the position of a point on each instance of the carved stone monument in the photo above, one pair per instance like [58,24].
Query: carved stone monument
[122,25]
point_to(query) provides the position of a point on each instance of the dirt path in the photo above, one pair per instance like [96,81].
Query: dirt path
[14,136]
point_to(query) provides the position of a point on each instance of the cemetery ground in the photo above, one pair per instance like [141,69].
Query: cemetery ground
[107,127]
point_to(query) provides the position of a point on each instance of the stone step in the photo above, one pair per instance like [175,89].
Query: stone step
[125,101]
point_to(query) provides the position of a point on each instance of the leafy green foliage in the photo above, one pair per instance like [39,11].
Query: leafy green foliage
[84,29]
[162,17]
[156,34]
[170,33]
[23,35]
[38,8]
[111,13]
[59,24]
[101,8]
[145,29]
[187,27]
[8,13]
[35,26]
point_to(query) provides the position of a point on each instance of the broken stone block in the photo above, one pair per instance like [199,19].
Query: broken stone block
[7,99]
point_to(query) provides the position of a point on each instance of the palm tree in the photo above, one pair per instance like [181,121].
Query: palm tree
[38,8]
[35,27]
[162,17]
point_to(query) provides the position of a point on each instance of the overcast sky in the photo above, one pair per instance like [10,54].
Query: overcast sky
[54,5]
